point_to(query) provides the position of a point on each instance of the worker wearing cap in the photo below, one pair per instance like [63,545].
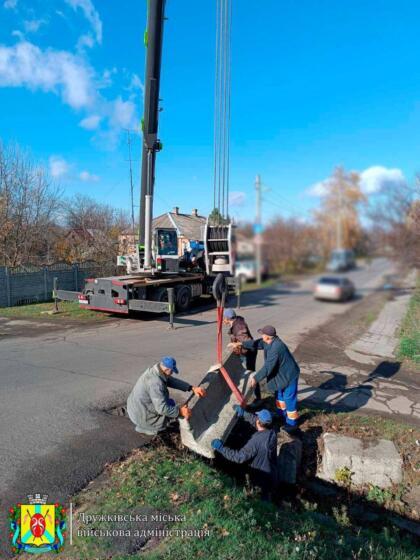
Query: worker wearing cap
[239,332]
[281,371]
[149,406]
[259,453]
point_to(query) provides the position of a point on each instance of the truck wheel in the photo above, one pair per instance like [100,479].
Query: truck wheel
[161,294]
[183,298]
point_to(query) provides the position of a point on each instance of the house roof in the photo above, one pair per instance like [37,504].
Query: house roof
[188,225]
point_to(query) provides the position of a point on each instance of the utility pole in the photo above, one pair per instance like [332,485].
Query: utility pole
[131,182]
[258,227]
[339,225]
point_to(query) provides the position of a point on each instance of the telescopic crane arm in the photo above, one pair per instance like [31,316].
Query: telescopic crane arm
[151,144]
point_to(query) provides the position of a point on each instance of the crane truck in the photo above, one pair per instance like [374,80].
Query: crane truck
[156,266]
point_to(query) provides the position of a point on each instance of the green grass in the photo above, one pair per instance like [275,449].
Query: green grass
[409,346]
[68,310]
[250,286]
[239,524]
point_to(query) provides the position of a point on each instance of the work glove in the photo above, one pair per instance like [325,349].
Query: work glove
[185,412]
[239,411]
[171,402]
[217,444]
[199,392]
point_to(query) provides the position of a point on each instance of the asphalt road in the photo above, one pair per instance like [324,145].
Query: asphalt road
[55,435]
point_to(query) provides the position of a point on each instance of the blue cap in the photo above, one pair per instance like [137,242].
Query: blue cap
[229,314]
[170,363]
[264,416]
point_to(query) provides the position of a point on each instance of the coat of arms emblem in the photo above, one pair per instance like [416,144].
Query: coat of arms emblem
[37,526]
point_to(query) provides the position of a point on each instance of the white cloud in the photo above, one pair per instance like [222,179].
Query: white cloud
[375,178]
[58,167]
[318,189]
[88,177]
[90,123]
[25,64]
[372,180]
[10,4]
[73,79]
[85,41]
[106,79]
[18,34]
[123,114]
[237,198]
[32,25]
[90,14]
[136,83]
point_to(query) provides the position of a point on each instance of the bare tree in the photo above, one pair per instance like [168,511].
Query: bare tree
[395,215]
[92,231]
[28,205]
[290,244]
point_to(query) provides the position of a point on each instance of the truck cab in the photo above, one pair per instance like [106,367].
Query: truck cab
[165,250]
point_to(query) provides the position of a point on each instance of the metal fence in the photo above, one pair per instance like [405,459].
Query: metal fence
[31,284]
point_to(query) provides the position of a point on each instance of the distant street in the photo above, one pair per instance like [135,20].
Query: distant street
[55,436]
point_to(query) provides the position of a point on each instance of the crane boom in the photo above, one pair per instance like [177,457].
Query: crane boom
[151,144]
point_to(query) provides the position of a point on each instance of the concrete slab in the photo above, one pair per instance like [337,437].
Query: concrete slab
[289,458]
[400,404]
[370,462]
[213,416]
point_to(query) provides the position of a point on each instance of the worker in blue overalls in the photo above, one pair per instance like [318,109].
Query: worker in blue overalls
[259,454]
[281,372]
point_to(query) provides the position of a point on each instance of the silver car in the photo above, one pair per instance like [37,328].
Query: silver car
[334,288]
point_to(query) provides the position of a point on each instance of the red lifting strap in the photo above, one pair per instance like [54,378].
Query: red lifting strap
[231,384]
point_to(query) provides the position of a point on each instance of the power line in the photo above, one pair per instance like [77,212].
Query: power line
[222,107]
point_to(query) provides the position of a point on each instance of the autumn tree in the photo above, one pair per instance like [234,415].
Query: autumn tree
[28,207]
[337,219]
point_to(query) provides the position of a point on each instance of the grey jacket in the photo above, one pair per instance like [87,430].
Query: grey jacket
[148,405]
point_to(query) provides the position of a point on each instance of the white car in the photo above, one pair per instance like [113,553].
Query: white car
[246,270]
[334,288]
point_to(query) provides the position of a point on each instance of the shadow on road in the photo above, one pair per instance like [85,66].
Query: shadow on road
[343,398]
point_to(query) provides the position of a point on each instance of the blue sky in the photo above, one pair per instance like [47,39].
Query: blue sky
[315,83]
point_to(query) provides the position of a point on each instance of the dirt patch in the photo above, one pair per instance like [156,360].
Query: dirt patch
[327,342]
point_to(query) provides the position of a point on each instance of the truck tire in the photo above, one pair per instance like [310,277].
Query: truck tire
[161,294]
[183,298]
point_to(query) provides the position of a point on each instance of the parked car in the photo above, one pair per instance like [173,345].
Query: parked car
[246,270]
[341,260]
[334,288]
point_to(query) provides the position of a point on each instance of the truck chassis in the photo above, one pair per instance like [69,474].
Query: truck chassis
[122,294]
